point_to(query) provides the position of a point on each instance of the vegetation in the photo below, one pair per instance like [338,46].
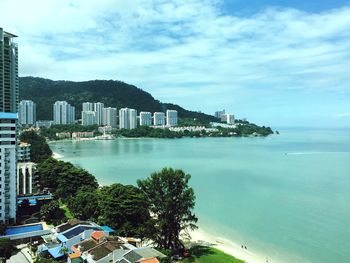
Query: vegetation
[50,133]
[113,93]
[3,228]
[39,149]
[52,213]
[7,247]
[63,178]
[171,200]
[144,131]
[201,254]
[40,259]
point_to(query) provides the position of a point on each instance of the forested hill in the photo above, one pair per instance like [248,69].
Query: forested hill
[45,92]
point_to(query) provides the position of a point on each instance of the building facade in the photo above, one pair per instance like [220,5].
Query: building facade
[127,119]
[63,113]
[110,117]
[145,118]
[25,178]
[88,106]
[171,117]
[228,118]
[27,113]
[219,113]
[9,87]
[158,119]
[98,108]
[88,118]
[8,167]
[23,152]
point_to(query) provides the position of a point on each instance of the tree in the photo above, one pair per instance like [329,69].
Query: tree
[7,247]
[171,202]
[125,208]
[3,228]
[40,259]
[84,204]
[39,149]
[52,213]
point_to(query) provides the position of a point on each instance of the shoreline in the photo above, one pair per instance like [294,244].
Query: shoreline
[57,155]
[199,236]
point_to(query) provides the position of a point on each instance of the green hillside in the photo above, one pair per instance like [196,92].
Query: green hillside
[45,92]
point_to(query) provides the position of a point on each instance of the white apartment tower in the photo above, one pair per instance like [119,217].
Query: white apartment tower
[171,117]
[127,119]
[98,108]
[158,119]
[27,113]
[145,118]
[88,106]
[8,167]
[228,118]
[88,118]
[110,117]
[63,113]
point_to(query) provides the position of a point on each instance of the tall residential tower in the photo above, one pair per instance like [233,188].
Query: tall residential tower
[27,113]
[63,113]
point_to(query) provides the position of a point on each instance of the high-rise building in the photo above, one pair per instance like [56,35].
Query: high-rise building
[171,117]
[88,106]
[8,168]
[158,119]
[27,113]
[145,118]
[63,113]
[228,118]
[127,118]
[88,118]
[9,96]
[98,108]
[219,113]
[110,117]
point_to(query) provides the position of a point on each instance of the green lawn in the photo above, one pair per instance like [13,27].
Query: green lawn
[209,255]
[67,212]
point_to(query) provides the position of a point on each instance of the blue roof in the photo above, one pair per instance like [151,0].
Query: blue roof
[56,252]
[8,115]
[78,230]
[62,238]
[107,229]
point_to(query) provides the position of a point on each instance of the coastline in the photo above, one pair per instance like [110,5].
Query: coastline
[57,155]
[199,236]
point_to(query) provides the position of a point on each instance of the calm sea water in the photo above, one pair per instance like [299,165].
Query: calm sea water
[285,196]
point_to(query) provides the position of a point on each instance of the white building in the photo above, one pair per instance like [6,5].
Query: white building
[158,119]
[110,117]
[88,118]
[219,113]
[25,172]
[23,152]
[228,118]
[8,167]
[127,119]
[63,113]
[171,117]
[98,108]
[27,113]
[43,124]
[145,118]
[88,106]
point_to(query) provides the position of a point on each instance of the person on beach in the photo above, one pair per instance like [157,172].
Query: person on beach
[245,247]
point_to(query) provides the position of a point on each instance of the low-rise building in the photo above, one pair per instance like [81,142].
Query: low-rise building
[80,135]
[64,135]
[43,124]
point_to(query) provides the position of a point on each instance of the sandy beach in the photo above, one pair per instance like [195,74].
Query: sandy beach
[57,155]
[229,247]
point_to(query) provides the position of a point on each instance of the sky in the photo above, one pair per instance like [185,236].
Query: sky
[276,63]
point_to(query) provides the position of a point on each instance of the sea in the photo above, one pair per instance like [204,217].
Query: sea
[286,197]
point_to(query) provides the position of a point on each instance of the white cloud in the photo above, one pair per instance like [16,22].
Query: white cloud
[182,49]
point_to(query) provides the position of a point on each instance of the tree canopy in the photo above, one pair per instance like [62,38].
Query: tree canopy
[39,149]
[171,201]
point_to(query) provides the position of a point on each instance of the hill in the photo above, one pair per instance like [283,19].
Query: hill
[44,92]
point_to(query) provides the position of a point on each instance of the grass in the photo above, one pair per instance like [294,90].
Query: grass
[209,255]
[66,210]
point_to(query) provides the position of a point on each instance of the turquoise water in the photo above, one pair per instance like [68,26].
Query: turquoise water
[286,197]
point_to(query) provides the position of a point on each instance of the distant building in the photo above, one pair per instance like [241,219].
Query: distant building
[158,119]
[8,167]
[219,113]
[43,124]
[63,113]
[171,117]
[88,106]
[98,108]
[228,118]
[64,135]
[80,135]
[110,117]
[88,118]
[105,129]
[9,87]
[127,118]
[145,118]
[27,113]
[23,152]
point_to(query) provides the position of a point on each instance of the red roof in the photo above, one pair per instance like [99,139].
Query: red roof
[97,235]
[149,260]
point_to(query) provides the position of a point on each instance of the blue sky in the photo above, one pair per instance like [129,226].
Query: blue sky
[279,63]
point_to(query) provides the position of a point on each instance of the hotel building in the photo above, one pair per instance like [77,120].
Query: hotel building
[27,113]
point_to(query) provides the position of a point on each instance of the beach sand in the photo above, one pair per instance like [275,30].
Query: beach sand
[57,155]
[227,246]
